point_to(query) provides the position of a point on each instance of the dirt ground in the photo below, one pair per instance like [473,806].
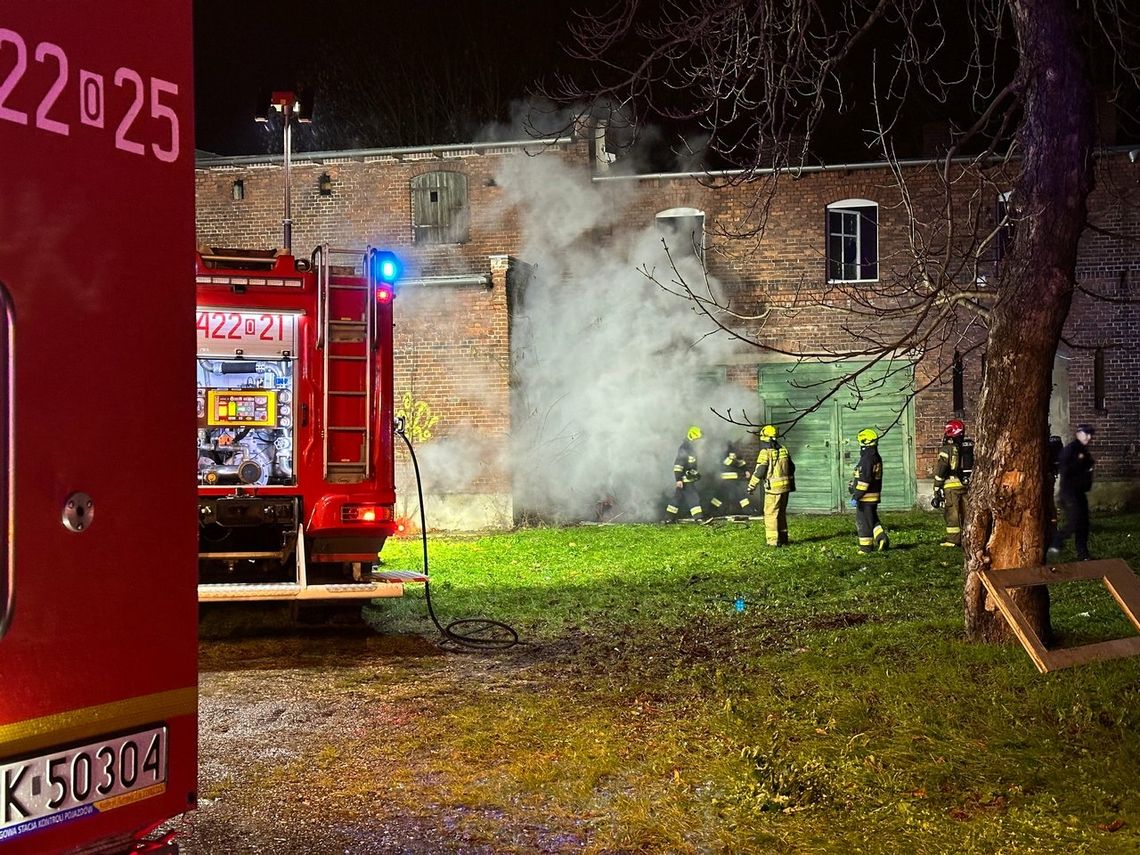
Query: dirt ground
[274,705]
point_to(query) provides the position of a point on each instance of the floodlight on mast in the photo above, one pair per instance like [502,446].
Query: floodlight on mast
[292,105]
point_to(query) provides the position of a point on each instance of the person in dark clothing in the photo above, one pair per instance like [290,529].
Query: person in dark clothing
[866,491]
[732,489]
[1075,469]
[686,473]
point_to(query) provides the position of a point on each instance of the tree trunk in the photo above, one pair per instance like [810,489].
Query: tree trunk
[1006,520]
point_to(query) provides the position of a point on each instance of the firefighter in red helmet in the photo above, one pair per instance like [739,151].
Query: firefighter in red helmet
[952,477]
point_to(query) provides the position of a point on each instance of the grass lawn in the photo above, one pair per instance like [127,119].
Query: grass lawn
[839,709]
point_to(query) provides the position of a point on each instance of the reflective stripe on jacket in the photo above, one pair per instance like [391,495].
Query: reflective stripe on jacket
[685,464]
[734,466]
[948,471]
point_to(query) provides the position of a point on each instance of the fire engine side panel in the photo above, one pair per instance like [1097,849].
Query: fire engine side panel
[96,240]
[309,416]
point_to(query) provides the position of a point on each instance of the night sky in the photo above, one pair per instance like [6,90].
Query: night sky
[396,74]
[481,55]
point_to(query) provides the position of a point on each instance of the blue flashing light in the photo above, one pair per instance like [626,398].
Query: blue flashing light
[386,267]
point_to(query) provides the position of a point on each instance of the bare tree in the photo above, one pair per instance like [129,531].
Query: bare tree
[770,81]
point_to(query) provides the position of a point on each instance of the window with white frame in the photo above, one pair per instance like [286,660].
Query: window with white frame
[852,241]
[683,230]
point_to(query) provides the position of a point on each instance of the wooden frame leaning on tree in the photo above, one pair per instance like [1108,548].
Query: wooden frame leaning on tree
[1117,577]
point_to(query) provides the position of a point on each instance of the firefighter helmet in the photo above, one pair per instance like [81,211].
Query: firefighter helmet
[955,428]
[768,432]
[694,433]
[867,436]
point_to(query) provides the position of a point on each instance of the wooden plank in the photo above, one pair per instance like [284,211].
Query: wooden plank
[1116,576]
[1017,622]
[1117,648]
[1049,573]
[1125,589]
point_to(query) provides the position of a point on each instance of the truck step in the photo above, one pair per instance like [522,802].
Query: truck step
[240,591]
[398,576]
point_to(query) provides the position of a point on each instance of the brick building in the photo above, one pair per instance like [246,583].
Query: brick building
[536,321]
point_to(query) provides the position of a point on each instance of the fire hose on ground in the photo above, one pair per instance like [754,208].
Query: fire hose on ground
[479,632]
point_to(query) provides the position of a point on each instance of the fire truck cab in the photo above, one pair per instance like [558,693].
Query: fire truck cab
[296,473]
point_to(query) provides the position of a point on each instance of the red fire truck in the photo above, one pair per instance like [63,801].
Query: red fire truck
[296,487]
[98,645]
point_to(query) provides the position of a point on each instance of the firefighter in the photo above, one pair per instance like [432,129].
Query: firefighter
[951,478]
[777,471]
[732,493]
[1076,472]
[685,475]
[866,490]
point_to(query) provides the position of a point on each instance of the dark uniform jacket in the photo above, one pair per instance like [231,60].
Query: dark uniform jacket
[685,466]
[1076,469]
[948,473]
[867,485]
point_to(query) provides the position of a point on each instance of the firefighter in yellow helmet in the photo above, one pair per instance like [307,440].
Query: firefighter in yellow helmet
[775,469]
[686,473]
[866,491]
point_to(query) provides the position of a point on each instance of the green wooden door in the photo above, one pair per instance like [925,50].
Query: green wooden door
[822,443]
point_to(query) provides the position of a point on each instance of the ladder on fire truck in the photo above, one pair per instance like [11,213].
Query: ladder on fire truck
[346,330]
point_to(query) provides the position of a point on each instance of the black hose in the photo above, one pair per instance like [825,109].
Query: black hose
[477,630]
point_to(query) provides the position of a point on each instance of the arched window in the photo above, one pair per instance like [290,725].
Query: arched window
[683,230]
[852,241]
[439,207]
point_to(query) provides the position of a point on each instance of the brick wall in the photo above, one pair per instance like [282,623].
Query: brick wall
[1109,268]
[453,341]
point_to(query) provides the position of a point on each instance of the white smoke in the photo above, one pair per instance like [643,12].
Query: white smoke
[609,368]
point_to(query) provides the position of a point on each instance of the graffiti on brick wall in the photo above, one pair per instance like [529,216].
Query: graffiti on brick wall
[418,418]
[419,422]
